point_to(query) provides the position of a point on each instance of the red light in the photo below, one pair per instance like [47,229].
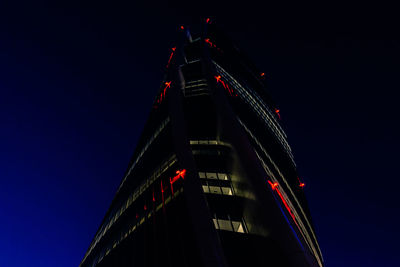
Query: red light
[170,57]
[277,113]
[162,193]
[301,184]
[145,207]
[207,40]
[182,28]
[137,216]
[162,95]
[275,188]
[154,199]
[273,185]
[226,86]
[208,20]
[179,174]
[287,207]
[167,85]
[172,187]
[262,74]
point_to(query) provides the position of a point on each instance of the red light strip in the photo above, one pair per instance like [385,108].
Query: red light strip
[274,187]
[162,95]
[211,44]
[207,40]
[167,85]
[172,187]
[277,113]
[301,184]
[225,85]
[162,194]
[170,57]
[179,174]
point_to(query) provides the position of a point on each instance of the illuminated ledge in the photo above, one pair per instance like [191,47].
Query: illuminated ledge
[209,142]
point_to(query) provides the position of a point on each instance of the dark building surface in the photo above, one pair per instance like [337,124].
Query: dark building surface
[212,181]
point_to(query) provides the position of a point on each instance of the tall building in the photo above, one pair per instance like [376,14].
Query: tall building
[212,181]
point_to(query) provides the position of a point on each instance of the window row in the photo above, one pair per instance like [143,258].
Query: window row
[208,142]
[229,225]
[222,190]
[203,142]
[214,175]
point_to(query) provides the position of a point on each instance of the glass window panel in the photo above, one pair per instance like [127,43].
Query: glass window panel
[205,189]
[225,225]
[215,189]
[202,174]
[203,142]
[238,227]
[211,175]
[227,191]
[222,176]
[215,223]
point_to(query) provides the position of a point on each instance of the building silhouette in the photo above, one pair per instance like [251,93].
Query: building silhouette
[212,181]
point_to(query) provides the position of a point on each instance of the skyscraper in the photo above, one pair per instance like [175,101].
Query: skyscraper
[212,181]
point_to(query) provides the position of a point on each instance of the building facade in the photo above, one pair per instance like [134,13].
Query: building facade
[212,181]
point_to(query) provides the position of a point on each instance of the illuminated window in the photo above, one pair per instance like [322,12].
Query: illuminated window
[215,190]
[215,223]
[222,176]
[229,225]
[227,191]
[237,227]
[225,225]
[211,175]
[222,188]
[205,189]
[214,175]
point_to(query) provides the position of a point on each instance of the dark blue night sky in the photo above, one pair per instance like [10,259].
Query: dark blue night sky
[77,81]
